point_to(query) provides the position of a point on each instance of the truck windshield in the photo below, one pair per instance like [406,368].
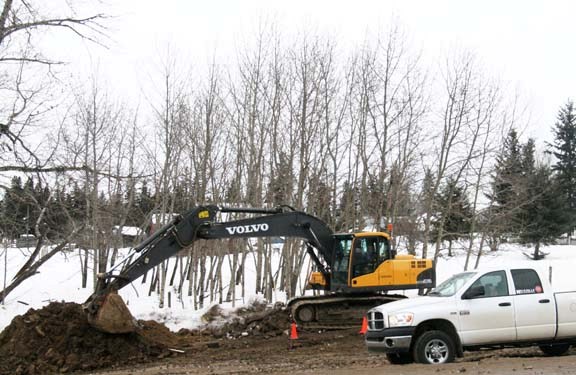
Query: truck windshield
[452,285]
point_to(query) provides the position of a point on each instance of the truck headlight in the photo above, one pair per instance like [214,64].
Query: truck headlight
[400,320]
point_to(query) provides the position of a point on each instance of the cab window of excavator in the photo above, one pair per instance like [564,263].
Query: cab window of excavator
[341,261]
[368,254]
[383,250]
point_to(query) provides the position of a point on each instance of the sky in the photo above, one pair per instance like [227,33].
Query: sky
[528,44]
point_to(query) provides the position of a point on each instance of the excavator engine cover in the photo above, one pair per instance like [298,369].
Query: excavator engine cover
[113,316]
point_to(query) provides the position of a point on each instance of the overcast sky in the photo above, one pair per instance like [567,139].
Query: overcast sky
[529,45]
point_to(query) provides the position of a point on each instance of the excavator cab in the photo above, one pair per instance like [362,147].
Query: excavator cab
[354,255]
[377,267]
[369,253]
[357,255]
[366,262]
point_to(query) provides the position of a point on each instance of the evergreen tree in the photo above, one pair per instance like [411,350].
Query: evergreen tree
[427,196]
[523,189]
[346,217]
[564,150]
[76,203]
[506,182]
[28,209]
[544,216]
[20,208]
[453,220]
[400,193]
[56,218]
[527,159]
[233,192]
[143,206]
[10,223]
[375,201]
[320,199]
[280,186]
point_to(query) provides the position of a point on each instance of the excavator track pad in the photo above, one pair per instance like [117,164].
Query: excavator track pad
[112,316]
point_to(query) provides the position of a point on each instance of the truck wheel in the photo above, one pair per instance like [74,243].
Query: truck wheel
[434,347]
[554,350]
[399,358]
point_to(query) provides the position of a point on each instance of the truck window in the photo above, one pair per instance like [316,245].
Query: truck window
[526,281]
[494,283]
[452,285]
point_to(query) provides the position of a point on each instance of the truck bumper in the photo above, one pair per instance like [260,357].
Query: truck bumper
[389,340]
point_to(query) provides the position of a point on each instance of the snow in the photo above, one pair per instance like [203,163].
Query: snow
[129,231]
[59,279]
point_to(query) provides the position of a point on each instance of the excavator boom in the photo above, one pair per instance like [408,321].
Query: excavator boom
[105,308]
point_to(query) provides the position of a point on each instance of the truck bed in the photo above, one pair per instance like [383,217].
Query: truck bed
[566,314]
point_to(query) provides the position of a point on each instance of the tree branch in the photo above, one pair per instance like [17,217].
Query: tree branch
[25,169]
[68,23]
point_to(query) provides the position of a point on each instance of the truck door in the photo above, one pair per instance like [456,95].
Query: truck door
[535,308]
[486,311]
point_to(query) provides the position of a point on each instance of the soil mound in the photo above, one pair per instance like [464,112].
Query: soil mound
[58,339]
[256,319]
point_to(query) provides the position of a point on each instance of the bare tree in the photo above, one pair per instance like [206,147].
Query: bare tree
[26,76]
[171,118]
[250,116]
[385,121]
[92,139]
[488,122]
[454,149]
[464,141]
[36,259]
[310,65]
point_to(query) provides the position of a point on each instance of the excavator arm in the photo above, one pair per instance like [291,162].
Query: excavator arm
[105,308]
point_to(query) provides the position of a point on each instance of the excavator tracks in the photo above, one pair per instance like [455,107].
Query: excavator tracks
[335,312]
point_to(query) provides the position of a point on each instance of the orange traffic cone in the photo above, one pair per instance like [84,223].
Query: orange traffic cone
[293,332]
[364,328]
[293,335]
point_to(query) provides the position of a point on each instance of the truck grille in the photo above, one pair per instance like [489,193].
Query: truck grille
[375,320]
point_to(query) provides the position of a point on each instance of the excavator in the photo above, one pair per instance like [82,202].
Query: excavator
[355,271]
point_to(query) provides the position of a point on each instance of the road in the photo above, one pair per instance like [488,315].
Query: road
[332,353]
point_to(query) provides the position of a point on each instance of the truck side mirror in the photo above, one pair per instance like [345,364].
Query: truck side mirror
[476,291]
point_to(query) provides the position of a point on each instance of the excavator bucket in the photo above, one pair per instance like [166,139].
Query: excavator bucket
[113,316]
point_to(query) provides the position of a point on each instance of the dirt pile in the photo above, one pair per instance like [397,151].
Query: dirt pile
[58,339]
[256,319]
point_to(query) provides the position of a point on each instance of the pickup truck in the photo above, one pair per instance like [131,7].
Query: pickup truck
[489,308]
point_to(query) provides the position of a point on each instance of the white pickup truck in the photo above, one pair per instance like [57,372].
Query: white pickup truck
[490,308]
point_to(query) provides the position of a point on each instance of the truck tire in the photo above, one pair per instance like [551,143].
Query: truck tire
[434,347]
[554,350]
[399,358]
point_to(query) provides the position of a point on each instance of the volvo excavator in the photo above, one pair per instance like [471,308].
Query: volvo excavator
[356,271]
